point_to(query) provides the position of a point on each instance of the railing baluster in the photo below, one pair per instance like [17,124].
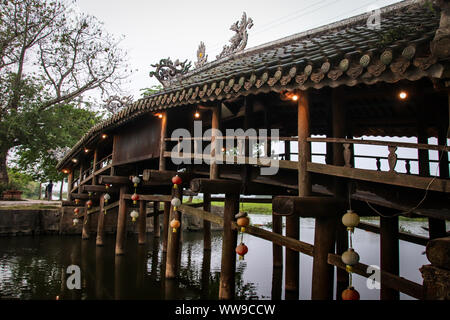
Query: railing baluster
[408,166]
[392,158]
[347,155]
[378,164]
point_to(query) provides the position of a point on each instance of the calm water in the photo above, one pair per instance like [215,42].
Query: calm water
[34,267]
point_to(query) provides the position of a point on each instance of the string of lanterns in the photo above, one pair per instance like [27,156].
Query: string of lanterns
[175,202]
[242,221]
[350,257]
[106,196]
[135,197]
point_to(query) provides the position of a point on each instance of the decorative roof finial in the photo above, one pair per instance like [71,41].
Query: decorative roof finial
[239,40]
[202,58]
[167,71]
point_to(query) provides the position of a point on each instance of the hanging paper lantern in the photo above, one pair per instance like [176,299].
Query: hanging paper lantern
[107,186]
[350,294]
[176,180]
[106,197]
[77,201]
[134,214]
[350,257]
[241,250]
[243,222]
[350,220]
[175,224]
[89,203]
[75,221]
[76,211]
[136,181]
[135,198]
[176,202]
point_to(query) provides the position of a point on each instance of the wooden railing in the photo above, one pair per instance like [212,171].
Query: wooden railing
[104,162]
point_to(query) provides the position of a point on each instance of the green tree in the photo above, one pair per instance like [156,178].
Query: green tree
[152,90]
[50,58]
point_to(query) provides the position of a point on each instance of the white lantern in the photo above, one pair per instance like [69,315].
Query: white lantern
[350,219]
[136,180]
[350,257]
[134,214]
[75,221]
[107,197]
[176,202]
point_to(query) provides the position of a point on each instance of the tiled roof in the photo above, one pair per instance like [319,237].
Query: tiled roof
[342,53]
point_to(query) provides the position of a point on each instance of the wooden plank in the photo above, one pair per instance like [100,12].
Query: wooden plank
[310,206]
[244,200]
[205,215]
[114,180]
[98,188]
[405,236]
[156,176]
[215,186]
[84,196]
[108,207]
[401,284]
[398,179]
[149,197]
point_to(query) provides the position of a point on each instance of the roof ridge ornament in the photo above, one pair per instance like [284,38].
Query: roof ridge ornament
[239,40]
[168,71]
[115,103]
[202,57]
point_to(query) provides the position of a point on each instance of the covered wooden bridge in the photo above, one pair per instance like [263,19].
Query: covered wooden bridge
[333,86]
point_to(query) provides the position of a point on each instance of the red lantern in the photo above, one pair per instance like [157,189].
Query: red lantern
[135,197]
[243,222]
[241,250]
[176,181]
[76,210]
[175,224]
[89,203]
[77,201]
[350,294]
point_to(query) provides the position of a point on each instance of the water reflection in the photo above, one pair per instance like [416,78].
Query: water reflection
[35,267]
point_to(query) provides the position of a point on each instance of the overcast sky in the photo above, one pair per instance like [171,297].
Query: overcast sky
[161,29]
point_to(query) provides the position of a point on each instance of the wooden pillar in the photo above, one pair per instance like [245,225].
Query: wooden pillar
[61,189]
[94,165]
[215,122]
[304,149]
[229,243]
[173,239]
[86,223]
[101,222]
[99,273]
[121,222]
[277,250]
[156,227]
[389,254]
[166,222]
[336,152]
[206,224]
[443,156]
[80,178]
[292,259]
[142,222]
[206,270]
[323,273]
[287,150]
[162,149]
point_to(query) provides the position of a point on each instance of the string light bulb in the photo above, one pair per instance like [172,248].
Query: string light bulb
[294,97]
[197,114]
[403,95]
[104,136]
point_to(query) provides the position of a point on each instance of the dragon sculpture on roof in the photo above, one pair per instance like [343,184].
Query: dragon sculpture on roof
[239,41]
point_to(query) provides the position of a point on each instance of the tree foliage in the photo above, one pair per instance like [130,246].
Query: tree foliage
[50,58]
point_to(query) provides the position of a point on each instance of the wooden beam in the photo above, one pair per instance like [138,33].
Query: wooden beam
[398,179]
[84,196]
[165,177]
[215,122]
[405,236]
[86,224]
[205,215]
[310,206]
[101,223]
[215,186]
[142,223]
[149,197]
[156,227]
[166,224]
[114,180]
[390,280]
[99,188]
[162,148]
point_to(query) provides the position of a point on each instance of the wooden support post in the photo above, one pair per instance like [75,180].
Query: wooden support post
[323,273]
[162,148]
[292,259]
[61,189]
[142,222]
[229,243]
[121,222]
[99,273]
[80,178]
[304,149]
[173,241]
[101,222]
[389,254]
[166,222]
[156,227]
[277,227]
[277,283]
[336,153]
[86,224]
[206,224]
[94,165]
[215,121]
[206,269]
[69,186]
[287,150]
